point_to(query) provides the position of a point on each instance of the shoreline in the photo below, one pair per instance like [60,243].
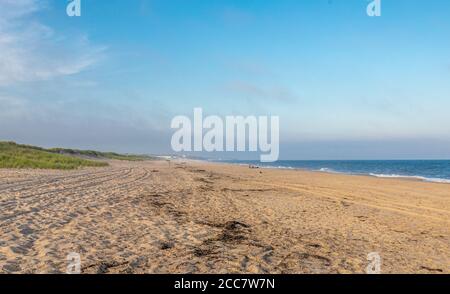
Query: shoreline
[416,178]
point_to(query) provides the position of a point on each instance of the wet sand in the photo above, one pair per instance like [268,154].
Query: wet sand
[196,217]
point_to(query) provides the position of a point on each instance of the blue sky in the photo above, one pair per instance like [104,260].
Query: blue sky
[345,85]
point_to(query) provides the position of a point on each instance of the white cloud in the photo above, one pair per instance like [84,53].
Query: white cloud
[12,9]
[32,51]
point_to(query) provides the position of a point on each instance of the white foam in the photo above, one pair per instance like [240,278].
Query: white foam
[425,179]
[327,170]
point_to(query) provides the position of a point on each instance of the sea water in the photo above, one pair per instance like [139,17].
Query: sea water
[425,170]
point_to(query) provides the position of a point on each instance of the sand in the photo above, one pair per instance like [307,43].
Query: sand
[196,217]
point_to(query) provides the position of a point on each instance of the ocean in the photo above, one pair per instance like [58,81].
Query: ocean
[425,170]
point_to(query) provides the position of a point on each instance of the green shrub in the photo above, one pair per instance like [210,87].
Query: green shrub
[13,155]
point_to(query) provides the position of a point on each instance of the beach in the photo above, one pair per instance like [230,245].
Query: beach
[201,217]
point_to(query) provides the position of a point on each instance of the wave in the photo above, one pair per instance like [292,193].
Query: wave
[345,170]
[415,177]
[421,178]
[328,170]
[277,167]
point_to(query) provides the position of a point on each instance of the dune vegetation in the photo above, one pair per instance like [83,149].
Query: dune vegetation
[13,155]
[98,154]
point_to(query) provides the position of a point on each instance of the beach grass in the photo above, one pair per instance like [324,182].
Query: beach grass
[98,154]
[13,155]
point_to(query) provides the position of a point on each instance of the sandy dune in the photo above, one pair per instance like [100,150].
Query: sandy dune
[194,217]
